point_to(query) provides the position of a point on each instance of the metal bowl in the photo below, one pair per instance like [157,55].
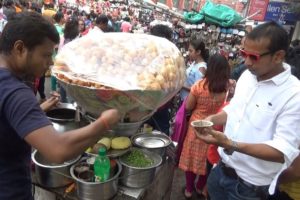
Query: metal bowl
[52,175]
[63,118]
[122,128]
[137,177]
[156,142]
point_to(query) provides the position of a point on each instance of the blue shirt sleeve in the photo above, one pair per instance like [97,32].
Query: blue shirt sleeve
[23,112]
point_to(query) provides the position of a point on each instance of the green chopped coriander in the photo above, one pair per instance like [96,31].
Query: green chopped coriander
[137,158]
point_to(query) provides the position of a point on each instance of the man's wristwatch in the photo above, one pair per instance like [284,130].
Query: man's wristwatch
[233,148]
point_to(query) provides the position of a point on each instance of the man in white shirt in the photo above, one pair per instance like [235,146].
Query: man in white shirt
[261,136]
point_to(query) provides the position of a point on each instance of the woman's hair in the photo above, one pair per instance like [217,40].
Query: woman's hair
[217,74]
[71,29]
[199,45]
[58,17]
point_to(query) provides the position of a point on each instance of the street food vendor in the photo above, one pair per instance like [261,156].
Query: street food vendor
[26,47]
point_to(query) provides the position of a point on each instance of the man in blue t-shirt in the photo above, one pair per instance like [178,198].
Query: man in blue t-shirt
[26,48]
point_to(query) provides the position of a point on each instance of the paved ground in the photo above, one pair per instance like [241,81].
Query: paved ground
[178,185]
[178,179]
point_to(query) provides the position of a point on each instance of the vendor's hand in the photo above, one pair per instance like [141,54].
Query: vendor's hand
[49,103]
[210,136]
[111,117]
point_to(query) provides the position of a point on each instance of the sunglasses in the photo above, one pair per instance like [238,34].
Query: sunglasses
[253,56]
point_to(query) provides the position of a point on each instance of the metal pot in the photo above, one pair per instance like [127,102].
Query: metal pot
[156,142]
[123,128]
[95,190]
[63,118]
[52,175]
[139,177]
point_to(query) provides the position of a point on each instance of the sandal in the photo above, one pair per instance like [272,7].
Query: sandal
[185,193]
[200,194]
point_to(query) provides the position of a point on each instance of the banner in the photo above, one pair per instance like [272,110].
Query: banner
[280,12]
[258,5]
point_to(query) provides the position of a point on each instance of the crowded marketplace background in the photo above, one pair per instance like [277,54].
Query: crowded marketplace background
[168,66]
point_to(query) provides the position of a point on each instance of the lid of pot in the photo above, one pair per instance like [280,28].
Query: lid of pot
[150,140]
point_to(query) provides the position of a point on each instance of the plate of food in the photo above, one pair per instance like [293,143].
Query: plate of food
[115,145]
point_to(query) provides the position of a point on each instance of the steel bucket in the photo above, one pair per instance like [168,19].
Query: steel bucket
[52,175]
[139,177]
[95,190]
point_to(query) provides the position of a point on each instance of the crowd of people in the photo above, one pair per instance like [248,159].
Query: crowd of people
[251,152]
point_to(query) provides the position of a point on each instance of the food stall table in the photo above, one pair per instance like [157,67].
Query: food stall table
[160,188]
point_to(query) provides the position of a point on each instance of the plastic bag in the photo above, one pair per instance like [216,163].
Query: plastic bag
[220,14]
[193,17]
[124,61]
[135,73]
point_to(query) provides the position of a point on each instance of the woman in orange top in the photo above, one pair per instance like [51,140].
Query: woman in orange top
[206,98]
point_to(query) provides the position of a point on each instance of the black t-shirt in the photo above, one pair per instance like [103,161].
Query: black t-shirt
[20,114]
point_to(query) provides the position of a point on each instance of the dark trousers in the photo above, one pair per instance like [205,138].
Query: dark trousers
[41,88]
[279,196]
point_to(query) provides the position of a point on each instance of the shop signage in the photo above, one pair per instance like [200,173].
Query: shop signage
[280,12]
[258,5]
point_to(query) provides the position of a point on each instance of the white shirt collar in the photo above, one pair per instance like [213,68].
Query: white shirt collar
[279,78]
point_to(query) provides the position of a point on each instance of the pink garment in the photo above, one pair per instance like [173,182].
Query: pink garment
[190,178]
[126,27]
[180,129]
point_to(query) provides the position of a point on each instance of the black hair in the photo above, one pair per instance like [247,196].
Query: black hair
[102,19]
[217,74]
[199,45]
[127,19]
[71,29]
[29,27]
[35,7]
[279,39]
[8,3]
[49,6]
[161,30]
[58,17]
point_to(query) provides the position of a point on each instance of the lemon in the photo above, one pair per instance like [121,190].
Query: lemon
[120,143]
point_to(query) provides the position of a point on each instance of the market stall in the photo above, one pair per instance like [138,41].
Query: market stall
[160,188]
[137,74]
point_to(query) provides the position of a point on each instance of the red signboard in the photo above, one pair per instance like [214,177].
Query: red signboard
[258,5]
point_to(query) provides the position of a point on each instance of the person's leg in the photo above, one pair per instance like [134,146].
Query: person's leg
[221,186]
[190,180]
[279,195]
[244,192]
[201,182]
[41,88]
[53,83]
[214,187]
[201,185]
[63,95]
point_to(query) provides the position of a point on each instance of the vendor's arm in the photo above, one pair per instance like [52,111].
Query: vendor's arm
[262,151]
[59,147]
[24,115]
[292,173]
